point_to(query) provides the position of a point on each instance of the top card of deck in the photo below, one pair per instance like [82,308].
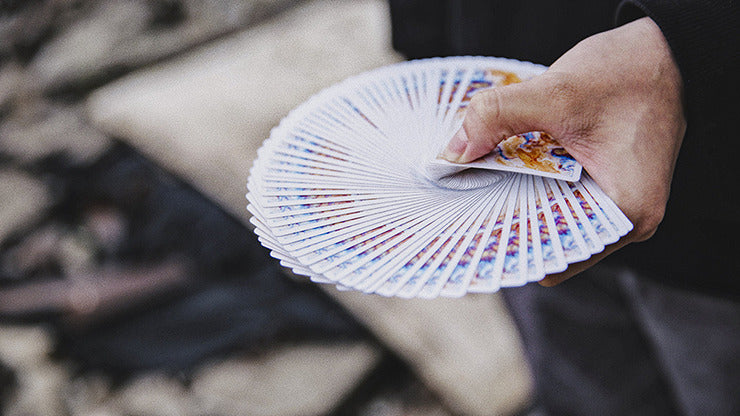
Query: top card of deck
[532,153]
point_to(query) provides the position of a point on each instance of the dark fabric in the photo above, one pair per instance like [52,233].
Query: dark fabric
[532,30]
[611,342]
[693,247]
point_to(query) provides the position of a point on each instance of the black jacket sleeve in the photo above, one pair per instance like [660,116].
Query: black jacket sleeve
[694,247]
[704,37]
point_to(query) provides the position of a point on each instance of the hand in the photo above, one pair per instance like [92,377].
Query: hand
[614,102]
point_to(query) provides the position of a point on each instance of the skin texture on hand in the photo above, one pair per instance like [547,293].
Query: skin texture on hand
[614,102]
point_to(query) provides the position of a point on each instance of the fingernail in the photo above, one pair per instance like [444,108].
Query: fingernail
[456,147]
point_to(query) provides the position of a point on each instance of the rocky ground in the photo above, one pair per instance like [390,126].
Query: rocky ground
[130,283]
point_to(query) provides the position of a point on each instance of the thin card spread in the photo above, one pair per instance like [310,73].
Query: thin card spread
[341,191]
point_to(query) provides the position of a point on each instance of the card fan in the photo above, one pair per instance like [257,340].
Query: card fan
[348,189]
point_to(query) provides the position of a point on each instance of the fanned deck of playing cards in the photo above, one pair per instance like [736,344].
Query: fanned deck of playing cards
[348,189]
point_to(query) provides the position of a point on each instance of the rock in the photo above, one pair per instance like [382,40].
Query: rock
[11,79]
[40,392]
[212,109]
[87,396]
[23,348]
[154,395]
[76,254]
[38,129]
[393,408]
[398,393]
[7,383]
[107,226]
[25,25]
[37,251]
[40,383]
[116,36]
[467,349]
[91,297]
[23,199]
[295,381]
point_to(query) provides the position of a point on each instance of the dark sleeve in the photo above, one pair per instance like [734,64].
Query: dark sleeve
[704,37]
[694,246]
[529,30]
[418,27]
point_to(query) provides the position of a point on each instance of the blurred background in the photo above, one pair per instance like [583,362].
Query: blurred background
[130,282]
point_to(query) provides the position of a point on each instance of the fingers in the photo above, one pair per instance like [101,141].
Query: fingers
[496,114]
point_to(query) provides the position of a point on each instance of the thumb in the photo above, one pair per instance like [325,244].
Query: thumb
[496,114]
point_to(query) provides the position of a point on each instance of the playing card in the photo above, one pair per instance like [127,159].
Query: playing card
[572,241]
[535,153]
[535,257]
[514,272]
[487,276]
[347,190]
[585,228]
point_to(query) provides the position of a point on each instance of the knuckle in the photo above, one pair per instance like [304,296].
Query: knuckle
[573,117]
[486,107]
[486,114]
[648,224]
[491,100]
